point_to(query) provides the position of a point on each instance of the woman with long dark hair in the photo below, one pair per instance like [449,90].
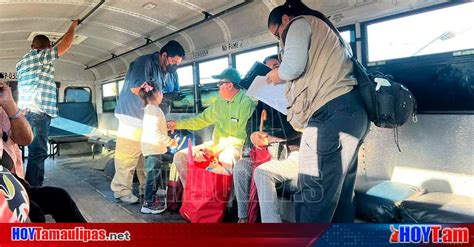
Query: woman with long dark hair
[324,104]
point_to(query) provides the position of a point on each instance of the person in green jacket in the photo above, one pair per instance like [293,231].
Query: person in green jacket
[229,115]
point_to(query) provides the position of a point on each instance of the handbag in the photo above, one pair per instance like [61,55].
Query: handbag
[205,193]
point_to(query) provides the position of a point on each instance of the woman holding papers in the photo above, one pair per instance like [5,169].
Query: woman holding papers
[323,104]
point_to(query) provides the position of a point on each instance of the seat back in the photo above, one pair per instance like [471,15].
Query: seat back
[75,119]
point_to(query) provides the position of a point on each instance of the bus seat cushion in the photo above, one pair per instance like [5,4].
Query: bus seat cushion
[379,200]
[438,207]
[67,139]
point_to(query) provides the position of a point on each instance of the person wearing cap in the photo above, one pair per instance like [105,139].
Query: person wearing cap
[159,70]
[229,115]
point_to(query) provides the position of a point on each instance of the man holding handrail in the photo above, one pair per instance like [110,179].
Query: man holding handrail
[37,95]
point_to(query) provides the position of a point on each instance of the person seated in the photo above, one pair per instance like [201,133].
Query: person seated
[43,200]
[14,202]
[282,167]
[229,115]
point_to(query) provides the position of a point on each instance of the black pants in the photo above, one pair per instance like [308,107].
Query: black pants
[54,201]
[328,161]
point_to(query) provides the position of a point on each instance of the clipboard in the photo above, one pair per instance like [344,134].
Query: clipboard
[257,69]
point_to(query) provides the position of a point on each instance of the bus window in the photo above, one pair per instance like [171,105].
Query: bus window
[244,61]
[77,94]
[120,85]
[185,76]
[186,82]
[346,35]
[438,31]
[212,67]
[109,96]
[186,105]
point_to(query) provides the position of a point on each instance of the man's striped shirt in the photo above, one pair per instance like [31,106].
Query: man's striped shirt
[36,86]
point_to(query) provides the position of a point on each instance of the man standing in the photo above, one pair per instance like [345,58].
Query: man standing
[229,115]
[159,70]
[37,95]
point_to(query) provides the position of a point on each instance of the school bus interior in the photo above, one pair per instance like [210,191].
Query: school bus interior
[426,45]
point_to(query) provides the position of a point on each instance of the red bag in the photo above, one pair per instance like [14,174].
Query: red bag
[205,193]
[258,156]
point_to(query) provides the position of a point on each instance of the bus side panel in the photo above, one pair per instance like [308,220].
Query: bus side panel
[436,153]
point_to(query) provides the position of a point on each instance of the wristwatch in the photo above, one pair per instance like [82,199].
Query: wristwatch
[17,115]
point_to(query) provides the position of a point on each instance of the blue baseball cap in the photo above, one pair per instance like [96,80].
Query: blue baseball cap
[230,74]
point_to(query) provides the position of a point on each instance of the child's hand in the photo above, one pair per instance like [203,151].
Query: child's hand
[171,125]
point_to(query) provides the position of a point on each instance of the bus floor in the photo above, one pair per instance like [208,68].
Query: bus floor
[90,189]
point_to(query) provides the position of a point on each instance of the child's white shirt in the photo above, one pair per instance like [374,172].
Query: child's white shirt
[155,134]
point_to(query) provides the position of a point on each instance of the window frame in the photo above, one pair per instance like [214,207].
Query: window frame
[110,98]
[78,87]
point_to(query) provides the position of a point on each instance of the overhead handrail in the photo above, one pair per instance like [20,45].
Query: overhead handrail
[83,18]
[207,17]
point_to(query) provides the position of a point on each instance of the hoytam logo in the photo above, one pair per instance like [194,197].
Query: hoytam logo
[435,234]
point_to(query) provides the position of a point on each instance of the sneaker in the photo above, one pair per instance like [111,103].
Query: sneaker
[129,199]
[158,206]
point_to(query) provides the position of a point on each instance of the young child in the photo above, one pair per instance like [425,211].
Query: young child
[154,141]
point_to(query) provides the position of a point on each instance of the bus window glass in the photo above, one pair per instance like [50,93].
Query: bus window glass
[120,85]
[185,105]
[77,94]
[109,89]
[244,61]
[437,31]
[109,96]
[185,76]
[109,106]
[213,67]
[346,35]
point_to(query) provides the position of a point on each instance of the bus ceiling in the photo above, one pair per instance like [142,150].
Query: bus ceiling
[116,32]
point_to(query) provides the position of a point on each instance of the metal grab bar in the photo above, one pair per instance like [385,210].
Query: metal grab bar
[83,18]
[207,18]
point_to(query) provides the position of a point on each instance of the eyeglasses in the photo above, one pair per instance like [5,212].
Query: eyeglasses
[220,83]
[276,34]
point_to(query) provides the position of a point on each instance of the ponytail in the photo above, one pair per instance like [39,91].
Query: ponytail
[290,8]
[146,92]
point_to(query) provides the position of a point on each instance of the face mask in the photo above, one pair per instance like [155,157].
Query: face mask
[171,68]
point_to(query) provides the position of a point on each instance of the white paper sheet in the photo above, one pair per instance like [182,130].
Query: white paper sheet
[272,95]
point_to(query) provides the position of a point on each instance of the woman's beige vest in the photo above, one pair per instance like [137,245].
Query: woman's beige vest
[328,74]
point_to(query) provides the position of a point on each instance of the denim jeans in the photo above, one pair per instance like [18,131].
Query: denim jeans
[328,161]
[155,178]
[38,149]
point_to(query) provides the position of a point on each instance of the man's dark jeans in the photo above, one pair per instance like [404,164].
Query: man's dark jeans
[38,149]
[328,161]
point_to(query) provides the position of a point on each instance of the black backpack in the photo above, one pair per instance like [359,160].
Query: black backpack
[387,106]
